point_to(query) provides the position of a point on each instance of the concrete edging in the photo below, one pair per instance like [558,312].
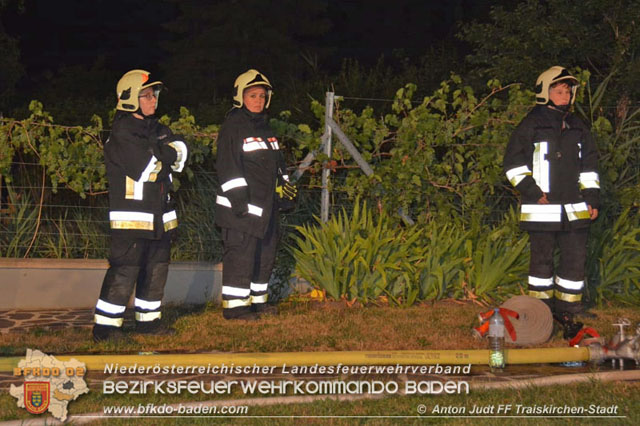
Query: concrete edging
[75,283]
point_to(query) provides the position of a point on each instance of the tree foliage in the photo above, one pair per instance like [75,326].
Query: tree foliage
[519,42]
[215,42]
[438,158]
[440,161]
[11,69]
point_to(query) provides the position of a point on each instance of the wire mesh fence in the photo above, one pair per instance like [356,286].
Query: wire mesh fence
[41,219]
[35,221]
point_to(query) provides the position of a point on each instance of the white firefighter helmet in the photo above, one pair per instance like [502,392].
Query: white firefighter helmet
[551,76]
[249,79]
[129,87]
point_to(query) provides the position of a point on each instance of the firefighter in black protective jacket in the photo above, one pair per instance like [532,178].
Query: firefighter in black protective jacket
[551,159]
[254,186]
[140,155]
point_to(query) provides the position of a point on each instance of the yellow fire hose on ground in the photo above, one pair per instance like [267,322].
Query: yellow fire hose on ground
[443,357]
[534,316]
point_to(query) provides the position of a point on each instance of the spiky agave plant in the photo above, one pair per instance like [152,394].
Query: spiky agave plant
[357,256]
[616,252]
[498,263]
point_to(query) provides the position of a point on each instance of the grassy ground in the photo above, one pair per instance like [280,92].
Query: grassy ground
[305,325]
[302,325]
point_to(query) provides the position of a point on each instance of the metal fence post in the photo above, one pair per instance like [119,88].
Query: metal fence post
[328,114]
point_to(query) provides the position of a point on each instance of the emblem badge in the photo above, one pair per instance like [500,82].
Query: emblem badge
[36,396]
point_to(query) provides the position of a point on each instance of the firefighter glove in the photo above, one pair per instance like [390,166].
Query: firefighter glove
[286,191]
[167,154]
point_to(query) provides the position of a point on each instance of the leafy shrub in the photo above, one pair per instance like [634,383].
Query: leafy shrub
[443,264]
[614,260]
[16,235]
[437,158]
[499,264]
[358,257]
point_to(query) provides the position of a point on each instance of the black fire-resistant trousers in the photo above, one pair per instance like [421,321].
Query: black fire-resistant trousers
[247,265]
[139,263]
[563,290]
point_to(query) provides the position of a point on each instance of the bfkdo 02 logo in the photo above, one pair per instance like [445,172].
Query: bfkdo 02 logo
[36,396]
[49,384]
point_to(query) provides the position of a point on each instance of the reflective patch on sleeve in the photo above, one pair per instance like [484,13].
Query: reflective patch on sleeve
[181,149]
[224,201]
[577,211]
[233,183]
[516,174]
[255,210]
[589,180]
[170,220]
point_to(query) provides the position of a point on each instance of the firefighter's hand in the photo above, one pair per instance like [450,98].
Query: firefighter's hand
[593,213]
[543,199]
[167,154]
[287,191]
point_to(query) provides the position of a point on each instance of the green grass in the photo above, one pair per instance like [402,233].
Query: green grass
[304,325]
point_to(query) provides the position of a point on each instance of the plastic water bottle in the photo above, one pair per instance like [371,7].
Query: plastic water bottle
[496,341]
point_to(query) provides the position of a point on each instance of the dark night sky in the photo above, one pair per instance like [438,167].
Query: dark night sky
[128,33]
[71,32]
[73,51]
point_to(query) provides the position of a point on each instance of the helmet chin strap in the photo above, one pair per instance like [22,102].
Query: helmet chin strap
[562,108]
[145,117]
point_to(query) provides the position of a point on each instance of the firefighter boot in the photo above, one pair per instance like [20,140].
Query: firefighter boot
[264,309]
[241,316]
[103,333]
[154,328]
